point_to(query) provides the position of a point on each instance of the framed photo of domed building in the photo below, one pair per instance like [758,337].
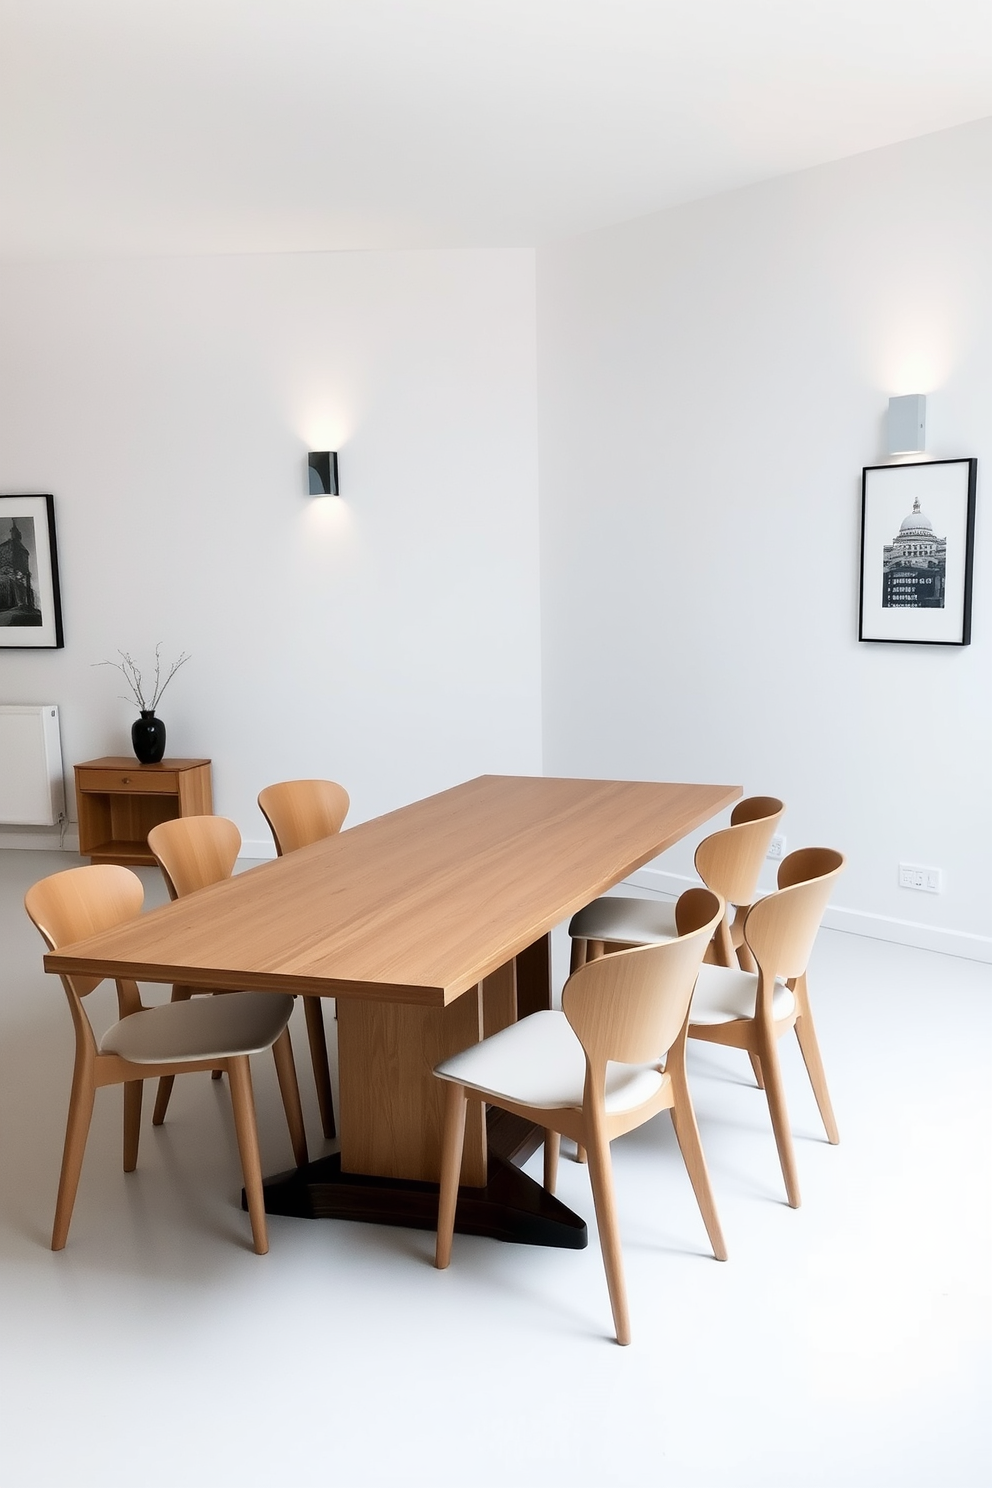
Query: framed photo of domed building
[917,552]
[30,604]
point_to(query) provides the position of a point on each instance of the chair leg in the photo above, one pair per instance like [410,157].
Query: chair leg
[76,1132]
[289,1089]
[455,1104]
[722,944]
[687,1136]
[243,1102]
[578,956]
[806,1034]
[580,1153]
[132,1123]
[744,958]
[166,1082]
[313,1009]
[756,1066]
[778,1111]
[601,1178]
[552,1147]
[162,1098]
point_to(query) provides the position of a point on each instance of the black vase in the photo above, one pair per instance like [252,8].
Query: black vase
[148,738]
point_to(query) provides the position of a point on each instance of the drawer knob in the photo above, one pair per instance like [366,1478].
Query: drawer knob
[125,780]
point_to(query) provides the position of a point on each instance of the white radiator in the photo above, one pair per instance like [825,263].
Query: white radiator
[32,790]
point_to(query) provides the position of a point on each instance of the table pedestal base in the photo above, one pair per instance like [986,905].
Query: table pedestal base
[510,1207]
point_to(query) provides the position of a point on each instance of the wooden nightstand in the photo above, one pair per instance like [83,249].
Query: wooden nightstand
[118,802]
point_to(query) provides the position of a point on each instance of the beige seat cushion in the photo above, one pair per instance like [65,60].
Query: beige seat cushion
[626,921]
[205,1028]
[540,1062]
[724,993]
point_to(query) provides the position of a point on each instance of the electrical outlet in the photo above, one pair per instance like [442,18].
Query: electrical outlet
[912,876]
[776,848]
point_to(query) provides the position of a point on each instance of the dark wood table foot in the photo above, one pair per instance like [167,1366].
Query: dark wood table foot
[511,1206]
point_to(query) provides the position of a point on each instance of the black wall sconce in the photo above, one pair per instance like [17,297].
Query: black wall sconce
[323,472]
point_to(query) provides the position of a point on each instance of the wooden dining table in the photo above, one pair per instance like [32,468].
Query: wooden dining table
[431,927]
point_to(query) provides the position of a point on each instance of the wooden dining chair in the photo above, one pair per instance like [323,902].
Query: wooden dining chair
[753,1010]
[177,1038]
[194,852]
[729,862]
[609,1061]
[300,812]
[303,811]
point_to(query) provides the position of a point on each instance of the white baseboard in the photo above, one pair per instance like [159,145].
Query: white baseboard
[40,839]
[259,850]
[851,921]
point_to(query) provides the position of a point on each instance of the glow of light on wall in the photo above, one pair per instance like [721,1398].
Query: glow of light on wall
[327,516]
[915,370]
[916,351]
[329,548]
[322,422]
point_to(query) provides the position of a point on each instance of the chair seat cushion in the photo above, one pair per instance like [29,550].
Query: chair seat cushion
[628,921]
[724,993]
[203,1028]
[540,1062]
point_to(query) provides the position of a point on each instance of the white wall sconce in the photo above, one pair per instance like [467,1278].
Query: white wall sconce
[322,468]
[908,424]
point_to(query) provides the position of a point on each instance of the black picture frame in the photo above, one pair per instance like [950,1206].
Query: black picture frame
[917,552]
[30,599]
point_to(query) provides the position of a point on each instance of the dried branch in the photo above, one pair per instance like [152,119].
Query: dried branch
[131,672]
[184,657]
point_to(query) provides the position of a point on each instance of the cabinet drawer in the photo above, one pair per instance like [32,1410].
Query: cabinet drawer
[161,783]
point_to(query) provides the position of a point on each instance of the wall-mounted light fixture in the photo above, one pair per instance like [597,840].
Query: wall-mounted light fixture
[908,424]
[323,471]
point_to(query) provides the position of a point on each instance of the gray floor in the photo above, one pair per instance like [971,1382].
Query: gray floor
[845,1343]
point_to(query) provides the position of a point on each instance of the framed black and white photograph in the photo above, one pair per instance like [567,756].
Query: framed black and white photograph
[917,552]
[30,604]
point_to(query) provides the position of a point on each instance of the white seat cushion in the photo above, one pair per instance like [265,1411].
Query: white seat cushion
[540,1062]
[628,921]
[205,1028]
[724,993]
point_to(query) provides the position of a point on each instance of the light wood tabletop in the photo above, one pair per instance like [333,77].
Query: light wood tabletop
[416,906]
[424,924]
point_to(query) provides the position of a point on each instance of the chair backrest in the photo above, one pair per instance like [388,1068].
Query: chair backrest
[195,851]
[781,928]
[729,862]
[756,808]
[630,1006]
[80,902]
[303,811]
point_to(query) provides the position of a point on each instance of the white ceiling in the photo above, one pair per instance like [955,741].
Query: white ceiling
[176,126]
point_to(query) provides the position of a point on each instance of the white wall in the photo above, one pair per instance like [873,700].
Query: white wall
[389,640]
[711,381]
